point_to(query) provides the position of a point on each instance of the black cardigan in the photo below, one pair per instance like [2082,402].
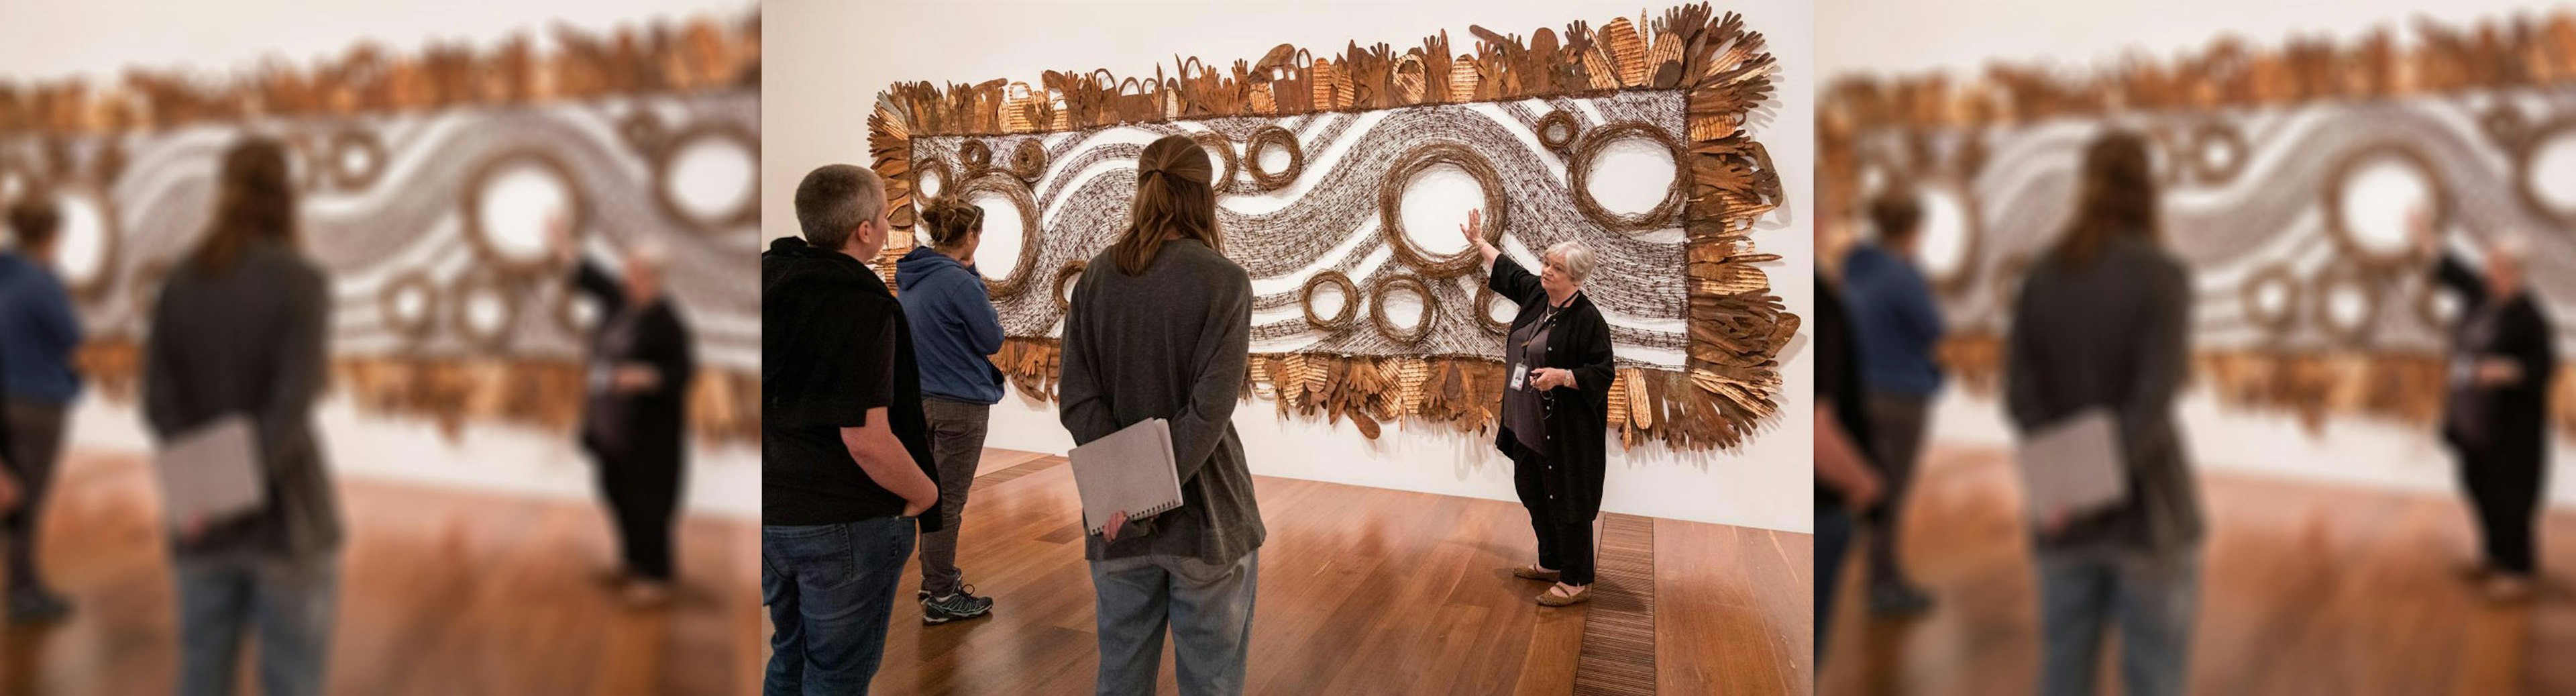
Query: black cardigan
[1578,421]
[654,419]
[2518,430]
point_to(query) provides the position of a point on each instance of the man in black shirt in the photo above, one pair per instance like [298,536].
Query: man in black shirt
[845,453]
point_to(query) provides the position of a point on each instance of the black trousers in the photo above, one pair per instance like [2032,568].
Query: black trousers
[36,435]
[2505,491]
[643,493]
[1563,544]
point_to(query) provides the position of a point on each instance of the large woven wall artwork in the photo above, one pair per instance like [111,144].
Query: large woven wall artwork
[1361,312]
[2289,176]
[426,182]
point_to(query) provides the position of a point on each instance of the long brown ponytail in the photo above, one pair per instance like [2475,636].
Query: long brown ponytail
[1174,200]
[253,202]
[2117,199]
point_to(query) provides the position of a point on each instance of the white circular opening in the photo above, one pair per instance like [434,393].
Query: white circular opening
[1435,204]
[583,313]
[1501,311]
[2553,171]
[930,182]
[517,202]
[2218,154]
[712,177]
[10,186]
[1873,180]
[1405,309]
[410,305]
[1274,159]
[999,254]
[357,159]
[1328,300]
[485,310]
[2445,307]
[1942,244]
[2272,299]
[2378,195]
[1631,175]
[2347,306]
[82,242]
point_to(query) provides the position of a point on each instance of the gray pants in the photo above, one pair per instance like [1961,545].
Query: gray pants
[36,448]
[2153,599]
[956,446]
[1208,607]
[289,604]
[1896,425]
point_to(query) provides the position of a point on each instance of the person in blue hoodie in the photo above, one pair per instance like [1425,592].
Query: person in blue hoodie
[37,333]
[1897,327]
[954,329]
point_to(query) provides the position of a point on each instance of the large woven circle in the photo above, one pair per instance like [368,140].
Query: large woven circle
[1379,291]
[2212,137]
[362,143]
[2274,323]
[665,160]
[1485,298]
[932,169]
[2322,291]
[2526,156]
[1065,278]
[977,156]
[459,301]
[1029,160]
[1350,301]
[1557,131]
[1390,206]
[1030,234]
[412,329]
[1273,136]
[2349,242]
[489,250]
[1221,157]
[1579,174]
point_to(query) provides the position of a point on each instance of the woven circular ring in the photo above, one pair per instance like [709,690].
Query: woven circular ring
[977,156]
[1030,235]
[643,131]
[413,329]
[577,217]
[2213,136]
[2343,274]
[1273,136]
[1378,292]
[1485,297]
[1390,205]
[460,305]
[1579,174]
[932,169]
[745,213]
[1350,301]
[1222,158]
[2273,322]
[2505,125]
[2526,157]
[1557,130]
[346,176]
[2340,229]
[1065,278]
[2428,306]
[1029,161]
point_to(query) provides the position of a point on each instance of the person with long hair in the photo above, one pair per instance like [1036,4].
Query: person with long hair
[1554,406]
[2504,357]
[2103,321]
[38,332]
[635,411]
[1161,327]
[241,329]
[954,326]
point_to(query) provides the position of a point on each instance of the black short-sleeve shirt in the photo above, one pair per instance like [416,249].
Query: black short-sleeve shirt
[808,476]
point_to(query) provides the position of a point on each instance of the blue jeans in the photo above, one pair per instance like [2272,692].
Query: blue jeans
[1833,544]
[2153,597]
[1209,609]
[830,591]
[290,604]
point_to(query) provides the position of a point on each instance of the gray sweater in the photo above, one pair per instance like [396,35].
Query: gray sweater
[1172,343]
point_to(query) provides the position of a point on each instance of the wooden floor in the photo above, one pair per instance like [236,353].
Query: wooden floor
[2307,589]
[1364,591]
[442,592]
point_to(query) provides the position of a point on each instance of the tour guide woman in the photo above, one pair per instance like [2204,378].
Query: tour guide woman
[1556,404]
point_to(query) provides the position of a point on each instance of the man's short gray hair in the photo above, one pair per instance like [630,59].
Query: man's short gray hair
[835,199]
[1574,258]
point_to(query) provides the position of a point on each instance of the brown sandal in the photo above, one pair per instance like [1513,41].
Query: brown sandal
[1551,599]
[1533,573]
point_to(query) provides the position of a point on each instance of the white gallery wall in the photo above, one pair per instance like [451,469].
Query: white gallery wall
[825,60]
[1962,37]
[42,41]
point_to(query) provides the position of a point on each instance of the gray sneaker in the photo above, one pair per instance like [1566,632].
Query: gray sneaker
[963,604]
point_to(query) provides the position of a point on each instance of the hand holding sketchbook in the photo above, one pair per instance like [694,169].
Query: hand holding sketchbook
[211,473]
[2074,465]
[1130,470]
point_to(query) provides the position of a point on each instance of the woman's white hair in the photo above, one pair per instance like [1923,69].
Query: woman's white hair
[1574,258]
[651,254]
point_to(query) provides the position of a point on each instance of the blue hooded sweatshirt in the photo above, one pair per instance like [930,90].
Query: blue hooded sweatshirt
[954,326]
[37,332]
[1895,320]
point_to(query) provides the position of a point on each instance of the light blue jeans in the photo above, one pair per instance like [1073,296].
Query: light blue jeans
[291,605]
[1207,606]
[2153,597]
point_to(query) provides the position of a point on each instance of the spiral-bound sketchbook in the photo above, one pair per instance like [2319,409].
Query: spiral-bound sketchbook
[2074,465]
[212,472]
[1129,470]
